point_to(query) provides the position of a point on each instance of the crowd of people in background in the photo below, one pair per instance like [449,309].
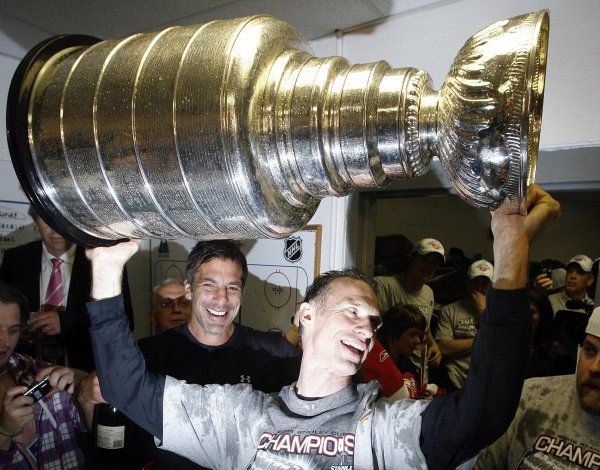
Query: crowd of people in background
[421,346]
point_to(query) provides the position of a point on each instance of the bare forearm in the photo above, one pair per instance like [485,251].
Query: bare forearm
[511,257]
[455,347]
[106,281]
[430,339]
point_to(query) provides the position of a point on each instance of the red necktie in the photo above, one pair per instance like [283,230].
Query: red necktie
[54,293]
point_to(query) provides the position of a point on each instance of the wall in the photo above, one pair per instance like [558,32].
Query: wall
[429,37]
[12,196]
[457,224]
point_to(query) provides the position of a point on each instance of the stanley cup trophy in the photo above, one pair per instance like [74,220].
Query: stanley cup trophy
[233,129]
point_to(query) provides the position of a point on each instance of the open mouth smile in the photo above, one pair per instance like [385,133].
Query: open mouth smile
[216,313]
[354,346]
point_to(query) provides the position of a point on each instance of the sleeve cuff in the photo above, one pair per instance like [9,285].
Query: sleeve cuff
[6,456]
[506,306]
[105,310]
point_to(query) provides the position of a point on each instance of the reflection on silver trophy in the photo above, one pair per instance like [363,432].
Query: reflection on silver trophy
[233,129]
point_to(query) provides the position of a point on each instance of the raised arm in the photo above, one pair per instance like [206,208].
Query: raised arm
[124,381]
[458,425]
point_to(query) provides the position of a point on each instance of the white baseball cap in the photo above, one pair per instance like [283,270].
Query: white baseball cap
[593,326]
[584,262]
[429,245]
[481,268]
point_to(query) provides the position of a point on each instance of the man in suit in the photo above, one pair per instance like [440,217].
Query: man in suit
[54,274]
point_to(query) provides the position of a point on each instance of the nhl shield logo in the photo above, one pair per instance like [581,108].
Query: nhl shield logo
[292,250]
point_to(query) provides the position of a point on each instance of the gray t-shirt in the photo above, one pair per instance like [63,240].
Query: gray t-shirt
[458,320]
[286,432]
[391,291]
[549,431]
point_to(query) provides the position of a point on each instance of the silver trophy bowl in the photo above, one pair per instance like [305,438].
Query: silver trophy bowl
[233,129]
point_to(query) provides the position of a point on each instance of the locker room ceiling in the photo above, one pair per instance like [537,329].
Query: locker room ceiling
[116,18]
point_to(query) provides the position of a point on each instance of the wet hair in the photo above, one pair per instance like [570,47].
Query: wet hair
[11,295]
[206,251]
[320,286]
[397,320]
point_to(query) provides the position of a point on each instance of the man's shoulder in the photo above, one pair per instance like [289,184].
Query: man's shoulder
[461,306]
[169,336]
[556,295]
[162,343]
[386,282]
[452,307]
[547,386]
[396,413]
[426,291]
[271,341]
[23,250]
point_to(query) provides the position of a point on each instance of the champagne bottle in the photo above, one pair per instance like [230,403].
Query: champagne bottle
[109,430]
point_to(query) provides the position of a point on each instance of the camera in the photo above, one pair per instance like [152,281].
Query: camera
[39,390]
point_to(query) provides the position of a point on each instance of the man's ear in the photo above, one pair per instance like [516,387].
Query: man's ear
[188,290]
[305,314]
[590,280]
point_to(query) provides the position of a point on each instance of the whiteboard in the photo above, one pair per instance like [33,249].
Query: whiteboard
[279,272]
[16,227]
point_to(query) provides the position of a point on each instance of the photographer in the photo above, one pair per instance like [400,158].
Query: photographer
[578,279]
[33,433]
[570,308]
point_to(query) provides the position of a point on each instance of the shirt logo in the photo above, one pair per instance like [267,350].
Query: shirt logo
[245,379]
[383,355]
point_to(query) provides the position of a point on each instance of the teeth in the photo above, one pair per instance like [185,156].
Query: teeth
[216,312]
[354,345]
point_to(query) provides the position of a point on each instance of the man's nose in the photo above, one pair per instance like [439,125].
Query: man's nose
[594,366]
[221,294]
[365,328]
[4,338]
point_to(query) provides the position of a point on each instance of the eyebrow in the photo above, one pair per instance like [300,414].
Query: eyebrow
[238,282]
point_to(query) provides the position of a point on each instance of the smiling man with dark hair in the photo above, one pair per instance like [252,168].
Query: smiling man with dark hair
[210,347]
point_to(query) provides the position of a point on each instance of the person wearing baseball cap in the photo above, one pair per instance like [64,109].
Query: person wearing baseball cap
[578,278]
[459,322]
[410,288]
[557,424]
